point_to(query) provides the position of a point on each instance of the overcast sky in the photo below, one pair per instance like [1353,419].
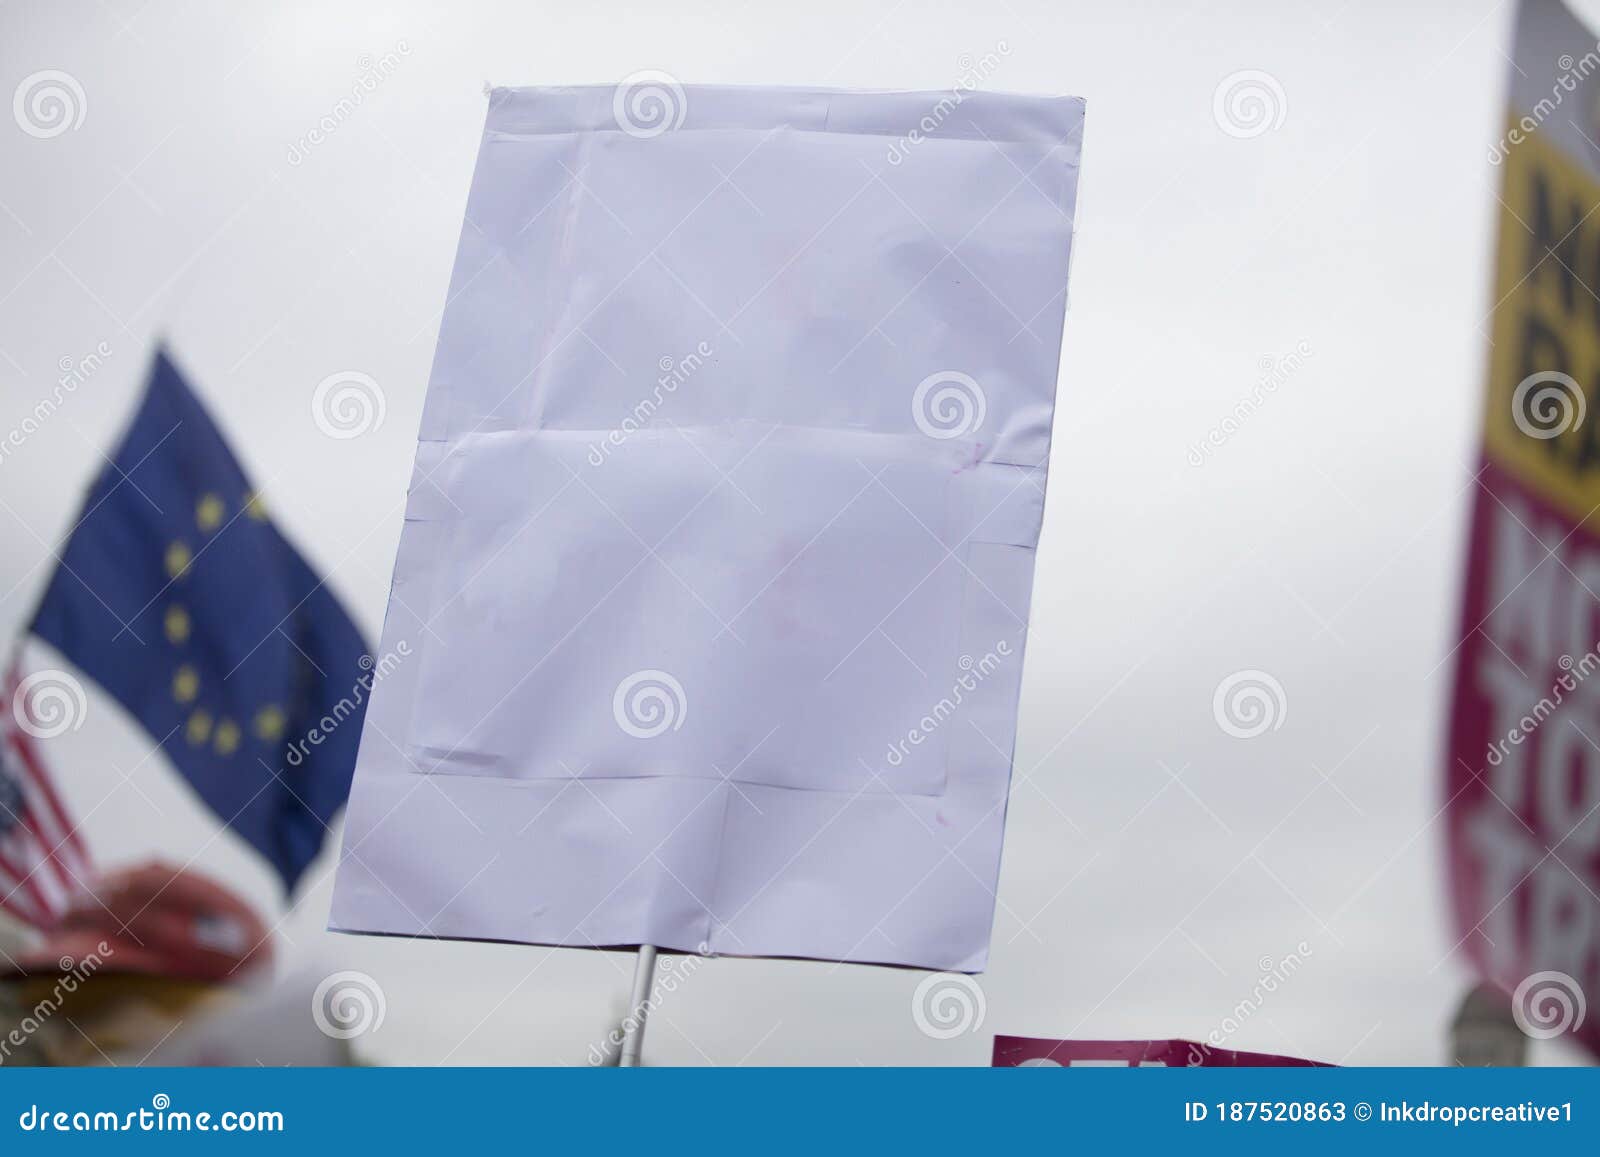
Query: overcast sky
[1153,861]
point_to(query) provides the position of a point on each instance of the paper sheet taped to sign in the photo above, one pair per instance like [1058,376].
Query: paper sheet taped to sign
[717,557]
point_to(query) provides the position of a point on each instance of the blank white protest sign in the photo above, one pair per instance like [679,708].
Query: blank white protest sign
[714,580]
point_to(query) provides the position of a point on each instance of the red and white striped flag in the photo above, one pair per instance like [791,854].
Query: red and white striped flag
[42,856]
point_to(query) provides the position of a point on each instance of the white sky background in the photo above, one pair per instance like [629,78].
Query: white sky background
[1152,860]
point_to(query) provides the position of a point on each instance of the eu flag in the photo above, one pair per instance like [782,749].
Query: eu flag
[177,594]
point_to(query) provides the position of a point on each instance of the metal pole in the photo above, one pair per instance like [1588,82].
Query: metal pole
[644,975]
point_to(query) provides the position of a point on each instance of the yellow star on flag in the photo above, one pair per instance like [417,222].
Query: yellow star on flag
[178,559]
[227,737]
[269,723]
[208,513]
[198,729]
[185,684]
[177,624]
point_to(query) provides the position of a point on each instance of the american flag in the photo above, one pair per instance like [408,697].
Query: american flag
[42,857]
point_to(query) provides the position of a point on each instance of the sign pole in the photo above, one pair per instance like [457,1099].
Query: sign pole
[644,975]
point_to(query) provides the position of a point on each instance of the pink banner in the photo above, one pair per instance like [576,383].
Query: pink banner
[1026,1051]
[1523,772]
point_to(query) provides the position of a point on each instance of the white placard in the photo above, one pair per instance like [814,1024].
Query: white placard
[709,609]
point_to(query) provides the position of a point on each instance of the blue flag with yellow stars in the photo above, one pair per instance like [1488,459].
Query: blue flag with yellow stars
[177,594]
